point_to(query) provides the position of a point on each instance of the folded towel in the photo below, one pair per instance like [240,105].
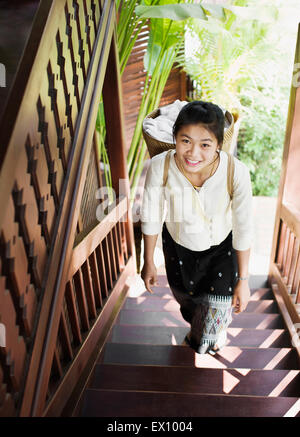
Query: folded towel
[161,127]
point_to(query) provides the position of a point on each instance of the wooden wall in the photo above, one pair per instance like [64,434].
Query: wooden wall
[63,270]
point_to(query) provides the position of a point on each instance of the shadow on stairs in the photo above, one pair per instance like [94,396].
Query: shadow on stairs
[145,371]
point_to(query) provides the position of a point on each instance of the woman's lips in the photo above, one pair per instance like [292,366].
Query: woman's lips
[190,163]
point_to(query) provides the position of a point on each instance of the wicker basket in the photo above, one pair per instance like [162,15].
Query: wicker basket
[154,146]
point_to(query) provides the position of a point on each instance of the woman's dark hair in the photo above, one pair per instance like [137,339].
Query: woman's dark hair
[206,113]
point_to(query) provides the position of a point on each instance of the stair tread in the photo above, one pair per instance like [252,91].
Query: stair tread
[155,303]
[175,335]
[166,293]
[174,318]
[122,403]
[229,356]
[195,380]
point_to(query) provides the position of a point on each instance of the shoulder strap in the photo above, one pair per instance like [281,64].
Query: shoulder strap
[166,167]
[230,174]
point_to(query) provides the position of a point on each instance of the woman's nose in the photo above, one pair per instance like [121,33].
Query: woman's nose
[195,152]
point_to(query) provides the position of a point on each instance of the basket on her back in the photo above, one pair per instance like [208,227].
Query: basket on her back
[155,146]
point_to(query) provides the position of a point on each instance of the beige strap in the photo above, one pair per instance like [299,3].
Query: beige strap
[166,167]
[230,175]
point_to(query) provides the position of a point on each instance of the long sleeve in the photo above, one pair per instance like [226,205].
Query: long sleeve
[242,222]
[153,204]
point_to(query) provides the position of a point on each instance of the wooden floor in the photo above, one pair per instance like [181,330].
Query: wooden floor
[145,370]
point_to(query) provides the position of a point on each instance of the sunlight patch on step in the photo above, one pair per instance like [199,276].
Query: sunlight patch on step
[234,332]
[276,359]
[229,382]
[294,410]
[271,338]
[243,372]
[230,354]
[284,383]
[264,324]
[208,361]
[136,286]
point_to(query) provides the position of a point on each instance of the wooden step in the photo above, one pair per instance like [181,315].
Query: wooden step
[154,303]
[255,281]
[262,338]
[166,293]
[229,356]
[174,318]
[110,403]
[194,380]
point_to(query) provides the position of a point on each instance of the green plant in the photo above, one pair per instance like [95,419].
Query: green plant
[165,47]
[227,55]
[166,39]
[101,136]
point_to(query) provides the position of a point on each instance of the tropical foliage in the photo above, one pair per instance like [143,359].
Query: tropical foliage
[234,64]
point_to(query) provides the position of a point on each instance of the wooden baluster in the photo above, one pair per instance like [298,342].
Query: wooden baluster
[88,285]
[124,242]
[73,316]
[120,246]
[81,300]
[120,262]
[296,282]
[289,254]
[57,369]
[285,251]
[107,265]
[95,279]
[64,337]
[293,265]
[100,257]
[112,255]
[279,257]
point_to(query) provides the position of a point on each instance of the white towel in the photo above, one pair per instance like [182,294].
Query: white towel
[161,127]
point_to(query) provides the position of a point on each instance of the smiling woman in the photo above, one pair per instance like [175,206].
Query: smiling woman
[196,157]
[197,145]
[206,253]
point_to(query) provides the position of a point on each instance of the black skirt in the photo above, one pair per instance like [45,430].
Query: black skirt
[203,284]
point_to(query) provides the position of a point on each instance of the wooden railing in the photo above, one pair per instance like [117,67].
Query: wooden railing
[284,274]
[286,267]
[63,273]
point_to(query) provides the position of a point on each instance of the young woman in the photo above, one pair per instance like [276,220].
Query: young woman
[206,235]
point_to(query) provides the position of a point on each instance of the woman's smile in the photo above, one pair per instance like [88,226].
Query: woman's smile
[191,163]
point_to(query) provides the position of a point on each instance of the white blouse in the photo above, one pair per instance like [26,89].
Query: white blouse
[199,219]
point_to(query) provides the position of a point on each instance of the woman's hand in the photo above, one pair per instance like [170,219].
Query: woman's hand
[241,296]
[149,275]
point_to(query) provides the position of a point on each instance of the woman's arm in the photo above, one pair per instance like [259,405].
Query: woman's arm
[152,214]
[149,272]
[241,294]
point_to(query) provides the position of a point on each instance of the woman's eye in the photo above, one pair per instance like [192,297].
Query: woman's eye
[185,141]
[205,145]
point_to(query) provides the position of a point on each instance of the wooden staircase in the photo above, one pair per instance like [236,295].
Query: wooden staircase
[144,370]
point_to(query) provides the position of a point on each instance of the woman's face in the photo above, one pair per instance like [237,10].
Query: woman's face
[197,144]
